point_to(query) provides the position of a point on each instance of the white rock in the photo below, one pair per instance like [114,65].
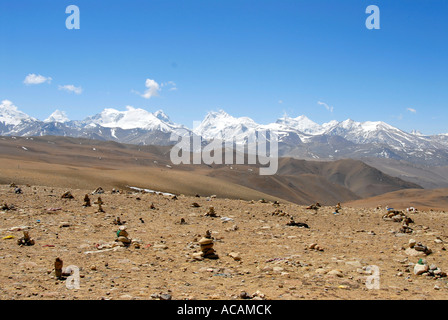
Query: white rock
[420,268]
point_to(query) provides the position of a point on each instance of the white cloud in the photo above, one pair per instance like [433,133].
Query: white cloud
[36,79]
[71,88]
[411,110]
[171,84]
[329,108]
[152,89]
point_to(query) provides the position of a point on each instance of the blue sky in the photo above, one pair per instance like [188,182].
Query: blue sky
[254,58]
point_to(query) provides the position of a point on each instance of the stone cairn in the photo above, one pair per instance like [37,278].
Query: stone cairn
[58,268]
[207,251]
[396,216]
[211,212]
[86,201]
[337,208]
[117,221]
[98,190]
[100,203]
[314,207]
[26,240]
[297,224]
[123,236]
[67,195]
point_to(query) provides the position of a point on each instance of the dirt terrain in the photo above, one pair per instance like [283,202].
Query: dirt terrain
[259,255]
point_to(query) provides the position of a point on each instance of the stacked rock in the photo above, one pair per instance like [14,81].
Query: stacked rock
[206,244]
[211,212]
[100,203]
[86,201]
[26,240]
[67,195]
[123,236]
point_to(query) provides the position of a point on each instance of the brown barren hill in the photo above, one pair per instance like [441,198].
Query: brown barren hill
[433,199]
[84,163]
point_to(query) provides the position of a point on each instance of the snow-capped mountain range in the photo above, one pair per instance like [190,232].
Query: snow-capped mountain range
[298,137]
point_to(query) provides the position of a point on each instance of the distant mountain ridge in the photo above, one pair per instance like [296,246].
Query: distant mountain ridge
[299,137]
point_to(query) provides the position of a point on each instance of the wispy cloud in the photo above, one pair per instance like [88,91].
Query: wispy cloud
[171,85]
[71,88]
[411,110]
[36,79]
[329,108]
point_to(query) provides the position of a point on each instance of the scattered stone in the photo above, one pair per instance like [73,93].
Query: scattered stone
[5,207]
[335,272]
[195,205]
[297,224]
[235,255]
[315,246]
[161,296]
[279,212]
[315,206]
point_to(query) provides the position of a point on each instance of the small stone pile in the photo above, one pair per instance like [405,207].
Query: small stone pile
[98,190]
[67,195]
[279,212]
[422,268]
[397,216]
[117,221]
[337,208]
[207,251]
[315,246]
[26,240]
[100,203]
[123,236]
[86,201]
[417,249]
[58,268]
[314,207]
[297,224]
[211,212]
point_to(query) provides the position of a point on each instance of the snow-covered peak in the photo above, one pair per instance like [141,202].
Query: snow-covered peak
[10,115]
[162,116]
[132,118]
[221,125]
[58,116]
[301,123]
